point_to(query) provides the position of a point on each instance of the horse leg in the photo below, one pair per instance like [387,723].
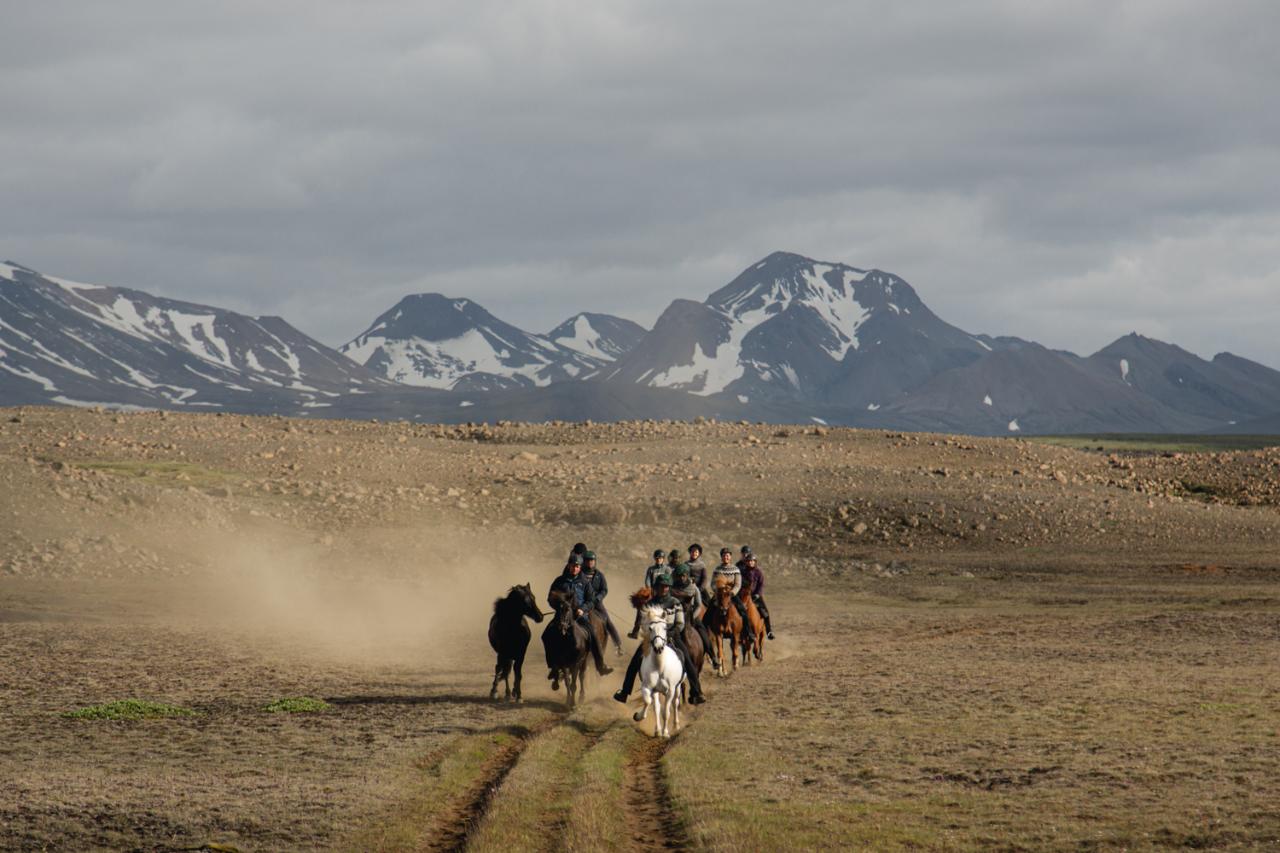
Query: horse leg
[519,668]
[640,715]
[497,673]
[582,682]
[659,714]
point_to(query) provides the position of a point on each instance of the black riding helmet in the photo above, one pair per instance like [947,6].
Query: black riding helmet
[579,549]
[659,553]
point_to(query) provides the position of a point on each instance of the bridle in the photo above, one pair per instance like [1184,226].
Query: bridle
[657,639]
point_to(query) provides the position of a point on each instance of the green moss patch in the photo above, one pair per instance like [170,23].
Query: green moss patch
[297,705]
[129,709]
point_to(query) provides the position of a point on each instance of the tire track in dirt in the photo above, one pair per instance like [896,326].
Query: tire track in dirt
[651,815]
[458,828]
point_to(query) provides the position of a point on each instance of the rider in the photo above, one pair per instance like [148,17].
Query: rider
[682,588]
[659,566]
[698,572]
[726,569]
[673,613]
[570,584]
[650,574]
[753,580]
[594,580]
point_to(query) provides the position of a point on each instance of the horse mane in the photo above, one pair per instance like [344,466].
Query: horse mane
[498,602]
[641,597]
[723,583]
[558,597]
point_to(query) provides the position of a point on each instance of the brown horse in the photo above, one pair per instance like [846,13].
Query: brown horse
[722,620]
[755,628]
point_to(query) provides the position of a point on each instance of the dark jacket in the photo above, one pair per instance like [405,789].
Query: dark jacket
[577,589]
[597,586]
[753,580]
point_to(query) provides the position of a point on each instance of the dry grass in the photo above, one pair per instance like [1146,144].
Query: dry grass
[1122,724]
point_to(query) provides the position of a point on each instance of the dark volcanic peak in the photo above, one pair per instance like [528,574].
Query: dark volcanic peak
[1225,390]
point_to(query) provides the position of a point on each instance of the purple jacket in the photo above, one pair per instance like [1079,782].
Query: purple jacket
[753,579]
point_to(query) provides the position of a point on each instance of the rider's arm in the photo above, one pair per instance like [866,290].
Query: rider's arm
[604,587]
[737,583]
[679,619]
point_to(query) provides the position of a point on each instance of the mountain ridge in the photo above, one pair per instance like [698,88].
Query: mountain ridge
[788,339]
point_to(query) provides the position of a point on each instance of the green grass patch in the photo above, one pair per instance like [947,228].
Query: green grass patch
[129,709]
[598,811]
[297,705]
[536,794]
[1159,443]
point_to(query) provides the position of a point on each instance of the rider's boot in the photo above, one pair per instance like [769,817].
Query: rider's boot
[629,681]
[601,667]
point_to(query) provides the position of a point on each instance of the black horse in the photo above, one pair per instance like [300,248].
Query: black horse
[509,636]
[568,648]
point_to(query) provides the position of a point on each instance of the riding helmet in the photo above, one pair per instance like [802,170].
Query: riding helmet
[575,560]
[659,553]
[588,555]
[663,579]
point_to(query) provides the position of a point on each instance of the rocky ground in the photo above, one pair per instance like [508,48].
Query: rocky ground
[224,562]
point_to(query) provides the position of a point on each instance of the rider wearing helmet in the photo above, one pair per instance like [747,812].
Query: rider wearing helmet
[753,580]
[659,566]
[673,614]
[698,572]
[594,580]
[683,589]
[570,584]
[726,569]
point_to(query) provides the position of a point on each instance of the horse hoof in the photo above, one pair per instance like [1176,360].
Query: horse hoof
[555,685]
[637,716]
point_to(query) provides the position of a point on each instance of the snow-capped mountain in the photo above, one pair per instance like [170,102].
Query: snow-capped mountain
[791,328]
[789,340]
[433,341]
[599,336]
[82,344]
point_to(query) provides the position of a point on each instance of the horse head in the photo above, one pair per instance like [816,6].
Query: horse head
[531,608]
[564,612]
[724,594]
[655,628]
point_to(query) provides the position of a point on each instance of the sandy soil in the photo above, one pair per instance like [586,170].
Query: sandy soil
[982,642]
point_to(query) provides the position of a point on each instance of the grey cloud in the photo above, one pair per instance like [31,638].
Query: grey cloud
[1060,171]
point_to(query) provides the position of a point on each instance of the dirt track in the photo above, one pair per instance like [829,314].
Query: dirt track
[974,635]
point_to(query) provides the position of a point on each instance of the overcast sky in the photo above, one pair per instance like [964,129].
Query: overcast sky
[1066,172]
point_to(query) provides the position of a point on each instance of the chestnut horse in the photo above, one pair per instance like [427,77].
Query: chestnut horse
[722,620]
[755,628]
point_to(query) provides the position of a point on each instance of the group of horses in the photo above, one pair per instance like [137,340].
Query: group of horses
[662,680]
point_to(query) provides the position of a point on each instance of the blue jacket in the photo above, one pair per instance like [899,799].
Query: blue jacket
[577,587]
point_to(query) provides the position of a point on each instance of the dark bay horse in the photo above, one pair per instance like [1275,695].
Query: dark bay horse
[568,648]
[509,636]
[722,621]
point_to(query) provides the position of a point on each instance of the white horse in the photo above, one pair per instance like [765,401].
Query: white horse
[661,676]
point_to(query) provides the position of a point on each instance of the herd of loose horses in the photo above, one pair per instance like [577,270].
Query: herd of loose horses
[662,678]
